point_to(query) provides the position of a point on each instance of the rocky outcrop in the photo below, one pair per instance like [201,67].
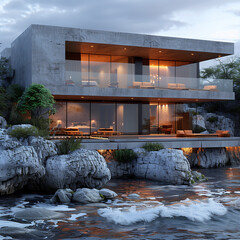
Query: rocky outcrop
[18,166]
[167,165]
[216,122]
[208,157]
[81,168]
[233,154]
[44,148]
[33,163]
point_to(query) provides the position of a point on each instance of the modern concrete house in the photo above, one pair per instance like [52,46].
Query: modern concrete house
[111,83]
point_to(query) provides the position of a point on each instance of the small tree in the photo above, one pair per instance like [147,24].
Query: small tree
[225,70]
[38,100]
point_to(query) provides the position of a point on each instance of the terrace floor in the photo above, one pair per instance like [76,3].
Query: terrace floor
[168,141]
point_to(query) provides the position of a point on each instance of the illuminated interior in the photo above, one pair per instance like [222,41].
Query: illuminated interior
[91,118]
[126,72]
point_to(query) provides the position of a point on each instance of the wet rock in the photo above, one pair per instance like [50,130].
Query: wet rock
[233,154]
[208,157]
[106,193]
[133,196]
[21,233]
[166,165]
[31,214]
[198,177]
[86,195]
[62,196]
[81,168]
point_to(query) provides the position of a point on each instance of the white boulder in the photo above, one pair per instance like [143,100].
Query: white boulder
[81,168]
[44,148]
[166,165]
[106,193]
[62,196]
[86,195]
[17,167]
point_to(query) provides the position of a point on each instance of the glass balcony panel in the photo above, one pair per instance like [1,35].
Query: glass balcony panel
[122,75]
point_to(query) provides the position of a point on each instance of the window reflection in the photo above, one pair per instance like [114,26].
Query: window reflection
[78,117]
[127,118]
[102,117]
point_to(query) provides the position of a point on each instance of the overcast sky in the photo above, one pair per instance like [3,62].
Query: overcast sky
[204,19]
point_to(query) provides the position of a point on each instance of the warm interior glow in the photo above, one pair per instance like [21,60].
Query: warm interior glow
[59,122]
[187,151]
[163,67]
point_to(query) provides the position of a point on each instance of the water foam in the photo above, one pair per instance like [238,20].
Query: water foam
[193,210]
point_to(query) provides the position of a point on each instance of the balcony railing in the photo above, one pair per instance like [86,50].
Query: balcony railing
[113,80]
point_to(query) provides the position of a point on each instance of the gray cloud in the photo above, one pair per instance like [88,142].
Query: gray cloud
[138,16]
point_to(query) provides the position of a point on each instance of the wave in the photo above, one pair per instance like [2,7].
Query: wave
[193,210]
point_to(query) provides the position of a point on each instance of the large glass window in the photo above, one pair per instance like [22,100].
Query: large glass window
[183,119]
[99,71]
[145,118]
[166,118]
[78,117]
[102,116]
[58,121]
[127,118]
[153,118]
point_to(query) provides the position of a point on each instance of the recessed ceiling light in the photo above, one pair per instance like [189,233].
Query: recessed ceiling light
[132,98]
[192,54]
[82,97]
[125,49]
[91,46]
[159,51]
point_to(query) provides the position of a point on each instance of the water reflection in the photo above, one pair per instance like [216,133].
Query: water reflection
[173,215]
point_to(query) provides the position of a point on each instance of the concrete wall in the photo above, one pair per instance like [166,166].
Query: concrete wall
[38,56]
[21,58]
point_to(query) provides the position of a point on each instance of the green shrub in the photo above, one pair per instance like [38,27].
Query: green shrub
[212,119]
[198,129]
[152,146]
[68,145]
[42,125]
[124,155]
[23,132]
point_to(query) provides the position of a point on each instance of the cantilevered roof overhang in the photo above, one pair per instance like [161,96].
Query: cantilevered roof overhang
[147,46]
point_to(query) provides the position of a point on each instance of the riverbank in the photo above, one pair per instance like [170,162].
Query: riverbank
[218,200]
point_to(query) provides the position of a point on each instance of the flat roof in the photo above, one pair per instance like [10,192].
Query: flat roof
[142,45]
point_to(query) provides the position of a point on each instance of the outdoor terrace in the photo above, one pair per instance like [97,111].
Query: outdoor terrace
[170,141]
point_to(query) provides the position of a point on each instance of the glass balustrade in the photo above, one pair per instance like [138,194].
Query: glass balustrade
[115,80]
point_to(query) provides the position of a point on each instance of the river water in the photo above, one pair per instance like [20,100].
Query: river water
[209,210]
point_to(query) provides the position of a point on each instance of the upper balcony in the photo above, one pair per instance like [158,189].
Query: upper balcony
[158,83]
